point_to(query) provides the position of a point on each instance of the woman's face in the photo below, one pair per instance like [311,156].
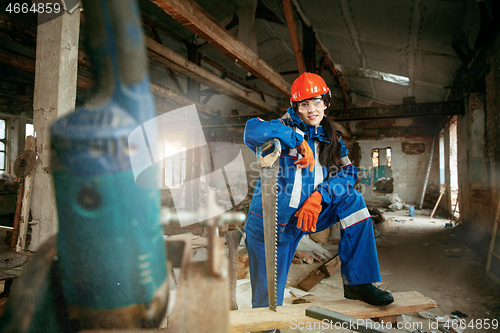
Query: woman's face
[312,111]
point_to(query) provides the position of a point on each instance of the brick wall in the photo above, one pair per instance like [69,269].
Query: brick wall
[479,176]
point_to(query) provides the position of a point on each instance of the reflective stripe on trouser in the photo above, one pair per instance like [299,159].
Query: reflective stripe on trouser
[357,251]
[357,248]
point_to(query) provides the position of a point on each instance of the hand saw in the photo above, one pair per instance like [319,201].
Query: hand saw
[269,166]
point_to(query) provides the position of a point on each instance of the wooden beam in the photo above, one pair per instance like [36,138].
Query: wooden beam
[236,78]
[198,21]
[344,87]
[308,47]
[260,319]
[294,36]
[160,93]
[266,14]
[179,64]
[170,72]
[168,100]
[27,64]
[154,24]
[401,111]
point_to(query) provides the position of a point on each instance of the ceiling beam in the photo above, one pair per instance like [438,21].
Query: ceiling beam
[198,21]
[21,62]
[401,111]
[169,100]
[294,36]
[166,99]
[179,64]
[153,26]
[330,66]
[236,78]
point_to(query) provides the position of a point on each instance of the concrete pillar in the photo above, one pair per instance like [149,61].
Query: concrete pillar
[446,203]
[55,95]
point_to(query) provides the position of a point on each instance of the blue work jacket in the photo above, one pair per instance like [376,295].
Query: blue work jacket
[294,185]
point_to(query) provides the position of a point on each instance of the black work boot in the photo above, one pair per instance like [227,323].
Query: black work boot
[368,293]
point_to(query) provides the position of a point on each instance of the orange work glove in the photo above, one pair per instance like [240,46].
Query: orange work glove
[308,157]
[309,212]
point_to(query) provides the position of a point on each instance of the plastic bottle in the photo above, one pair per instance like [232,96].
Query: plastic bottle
[412,211]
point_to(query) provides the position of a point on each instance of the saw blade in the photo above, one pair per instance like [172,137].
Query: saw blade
[269,177]
[24,163]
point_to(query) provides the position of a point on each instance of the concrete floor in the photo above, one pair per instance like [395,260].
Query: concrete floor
[420,254]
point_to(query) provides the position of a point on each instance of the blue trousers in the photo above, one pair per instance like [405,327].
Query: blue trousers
[357,251]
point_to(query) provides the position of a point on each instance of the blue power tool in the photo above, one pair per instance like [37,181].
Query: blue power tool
[107,266]
[111,252]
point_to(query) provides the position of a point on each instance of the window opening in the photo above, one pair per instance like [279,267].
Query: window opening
[382,173]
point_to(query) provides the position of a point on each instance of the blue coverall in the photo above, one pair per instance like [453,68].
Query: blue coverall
[341,202]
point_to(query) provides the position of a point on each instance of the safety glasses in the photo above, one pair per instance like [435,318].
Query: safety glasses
[304,106]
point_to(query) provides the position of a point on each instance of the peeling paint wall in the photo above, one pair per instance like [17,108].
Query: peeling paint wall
[476,184]
[408,170]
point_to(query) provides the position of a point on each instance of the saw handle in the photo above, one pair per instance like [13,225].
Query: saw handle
[270,159]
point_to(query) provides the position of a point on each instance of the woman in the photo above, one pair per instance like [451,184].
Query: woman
[315,191]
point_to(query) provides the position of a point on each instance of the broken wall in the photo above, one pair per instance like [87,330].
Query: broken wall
[409,162]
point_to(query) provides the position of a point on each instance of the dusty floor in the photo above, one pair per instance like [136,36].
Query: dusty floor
[420,254]
[415,254]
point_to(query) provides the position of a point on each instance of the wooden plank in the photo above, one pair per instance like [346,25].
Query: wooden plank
[169,58]
[318,274]
[491,252]
[331,266]
[193,17]
[294,36]
[379,228]
[311,279]
[260,319]
[25,201]
[443,188]
[401,111]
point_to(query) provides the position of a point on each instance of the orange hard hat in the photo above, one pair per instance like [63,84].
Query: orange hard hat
[308,85]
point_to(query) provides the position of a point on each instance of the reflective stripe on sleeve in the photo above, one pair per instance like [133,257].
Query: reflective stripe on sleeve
[318,170]
[297,183]
[345,161]
[354,218]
